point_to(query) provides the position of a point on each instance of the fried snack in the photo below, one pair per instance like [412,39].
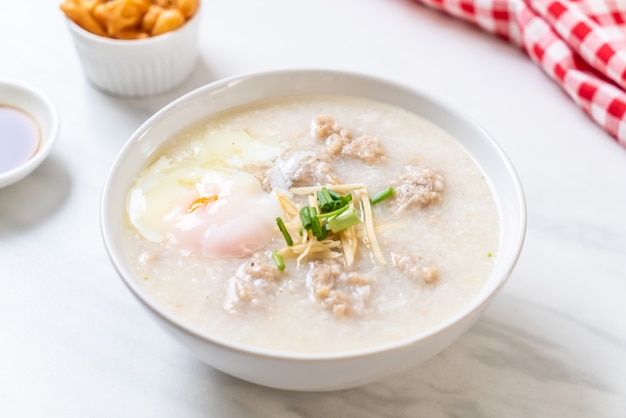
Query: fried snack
[147,23]
[80,13]
[187,7]
[130,19]
[118,15]
[168,20]
[132,34]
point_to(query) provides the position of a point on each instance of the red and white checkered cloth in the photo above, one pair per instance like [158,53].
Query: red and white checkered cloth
[581,44]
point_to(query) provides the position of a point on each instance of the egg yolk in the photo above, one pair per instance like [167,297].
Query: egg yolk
[210,212]
[237,219]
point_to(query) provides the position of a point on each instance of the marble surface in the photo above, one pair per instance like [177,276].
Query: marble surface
[74,343]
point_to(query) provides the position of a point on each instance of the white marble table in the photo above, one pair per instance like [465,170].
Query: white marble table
[74,343]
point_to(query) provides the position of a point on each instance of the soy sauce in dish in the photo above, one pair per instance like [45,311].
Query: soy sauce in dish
[19,137]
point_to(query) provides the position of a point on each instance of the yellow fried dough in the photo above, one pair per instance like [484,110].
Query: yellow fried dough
[168,20]
[130,19]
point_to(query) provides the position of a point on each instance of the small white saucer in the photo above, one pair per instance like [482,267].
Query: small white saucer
[43,111]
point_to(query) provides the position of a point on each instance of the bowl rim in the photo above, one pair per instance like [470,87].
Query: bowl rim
[475,305]
[47,140]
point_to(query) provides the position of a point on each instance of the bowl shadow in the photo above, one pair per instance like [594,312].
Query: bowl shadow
[32,200]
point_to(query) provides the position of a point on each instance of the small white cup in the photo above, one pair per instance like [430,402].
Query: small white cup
[138,67]
[39,107]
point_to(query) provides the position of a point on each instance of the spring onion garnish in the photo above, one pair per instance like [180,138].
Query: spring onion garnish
[305,217]
[385,194]
[283,229]
[278,260]
[337,196]
[329,215]
[308,216]
[320,231]
[329,200]
[344,220]
[325,200]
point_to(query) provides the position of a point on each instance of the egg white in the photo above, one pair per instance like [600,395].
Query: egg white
[204,202]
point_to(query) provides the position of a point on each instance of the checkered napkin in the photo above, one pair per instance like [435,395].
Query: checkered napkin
[581,44]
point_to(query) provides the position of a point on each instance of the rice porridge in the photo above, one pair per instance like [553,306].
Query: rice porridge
[312,224]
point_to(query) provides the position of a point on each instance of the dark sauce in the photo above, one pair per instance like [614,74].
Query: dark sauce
[19,137]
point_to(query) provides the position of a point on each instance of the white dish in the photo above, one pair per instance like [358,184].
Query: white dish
[314,372]
[37,105]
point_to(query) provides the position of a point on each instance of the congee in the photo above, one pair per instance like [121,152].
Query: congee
[312,224]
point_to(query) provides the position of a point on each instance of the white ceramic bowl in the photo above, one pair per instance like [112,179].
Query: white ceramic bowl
[315,372]
[142,67]
[38,106]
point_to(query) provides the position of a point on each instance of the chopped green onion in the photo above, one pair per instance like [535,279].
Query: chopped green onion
[278,260]
[337,196]
[320,232]
[344,220]
[308,216]
[283,229]
[333,213]
[305,217]
[385,194]
[325,200]
[343,199]
[329,200]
